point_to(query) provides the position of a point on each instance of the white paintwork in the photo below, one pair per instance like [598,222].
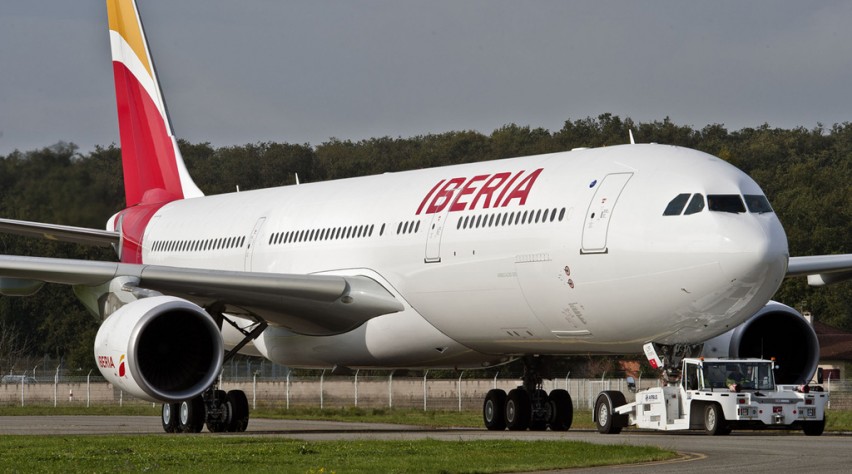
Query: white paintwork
[474,296]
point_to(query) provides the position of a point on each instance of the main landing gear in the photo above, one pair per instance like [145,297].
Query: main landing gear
[221,411]
[528,406]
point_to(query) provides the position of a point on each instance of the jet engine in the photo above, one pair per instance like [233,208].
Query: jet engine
[160,349]
[777,331]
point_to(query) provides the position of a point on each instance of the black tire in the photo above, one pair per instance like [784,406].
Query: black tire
[169,417]
[562,410]
[714,420]
[221,425]
[518,410]
[239,411]
[494,410]
[813,428]
[606,420]
[191,415]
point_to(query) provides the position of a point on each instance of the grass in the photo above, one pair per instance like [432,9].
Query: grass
[838,420]
[209,453]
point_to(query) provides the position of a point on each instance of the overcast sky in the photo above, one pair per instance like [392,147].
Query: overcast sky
[236,72]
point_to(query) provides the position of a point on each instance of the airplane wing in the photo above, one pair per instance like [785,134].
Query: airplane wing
[62,233]
[821,269]
[306,304]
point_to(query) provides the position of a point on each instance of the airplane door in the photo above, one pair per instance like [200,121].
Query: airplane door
[436,229]
[433,238]
[251,242]
[600,211]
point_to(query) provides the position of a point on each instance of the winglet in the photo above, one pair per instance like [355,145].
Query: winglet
[150,155]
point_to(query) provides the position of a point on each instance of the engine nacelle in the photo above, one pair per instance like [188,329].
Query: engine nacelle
[160,349]
[777,331]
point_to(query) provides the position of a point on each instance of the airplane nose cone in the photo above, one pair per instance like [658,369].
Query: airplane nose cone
[756,252]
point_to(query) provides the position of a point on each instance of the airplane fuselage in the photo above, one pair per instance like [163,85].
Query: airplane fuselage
[552,254]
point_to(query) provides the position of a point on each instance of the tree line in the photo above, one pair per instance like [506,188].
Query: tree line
[806,174]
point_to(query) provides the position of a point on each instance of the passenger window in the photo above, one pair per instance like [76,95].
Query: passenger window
[696,205]
[676,205]
[732,203]
[757,203]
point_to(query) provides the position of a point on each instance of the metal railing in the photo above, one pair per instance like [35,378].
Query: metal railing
[323,390]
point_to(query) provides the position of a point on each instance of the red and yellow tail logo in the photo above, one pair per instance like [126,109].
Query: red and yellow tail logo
[149,151]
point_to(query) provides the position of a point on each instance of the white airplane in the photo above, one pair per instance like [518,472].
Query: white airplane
[592,251]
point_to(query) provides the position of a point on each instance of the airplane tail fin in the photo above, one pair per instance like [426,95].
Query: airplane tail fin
[149,152]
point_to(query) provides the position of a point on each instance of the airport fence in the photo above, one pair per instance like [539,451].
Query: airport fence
[321,389]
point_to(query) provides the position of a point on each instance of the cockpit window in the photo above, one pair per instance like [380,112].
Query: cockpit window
[725,203]
[676,205]
[757,203]
[696,205]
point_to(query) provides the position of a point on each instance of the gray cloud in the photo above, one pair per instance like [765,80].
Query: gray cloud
[263,70]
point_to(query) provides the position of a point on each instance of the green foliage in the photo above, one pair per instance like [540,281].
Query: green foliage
[807,175]
[274,454]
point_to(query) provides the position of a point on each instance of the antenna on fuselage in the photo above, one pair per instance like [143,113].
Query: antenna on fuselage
[297,178]
[629,131]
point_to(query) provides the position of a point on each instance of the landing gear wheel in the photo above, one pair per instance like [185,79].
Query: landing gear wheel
[239,411]
[191,415]
[606,420]
[714,421]
[562,410]
[542,412]
[169,417]
[518,410]
[220,424]
[813,428]
[494,410]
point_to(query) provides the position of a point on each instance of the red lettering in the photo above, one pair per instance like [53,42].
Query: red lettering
[522,190]
[423,202]
[460,205]
[506,188]
[105,362]
[488,189]
[444,196]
